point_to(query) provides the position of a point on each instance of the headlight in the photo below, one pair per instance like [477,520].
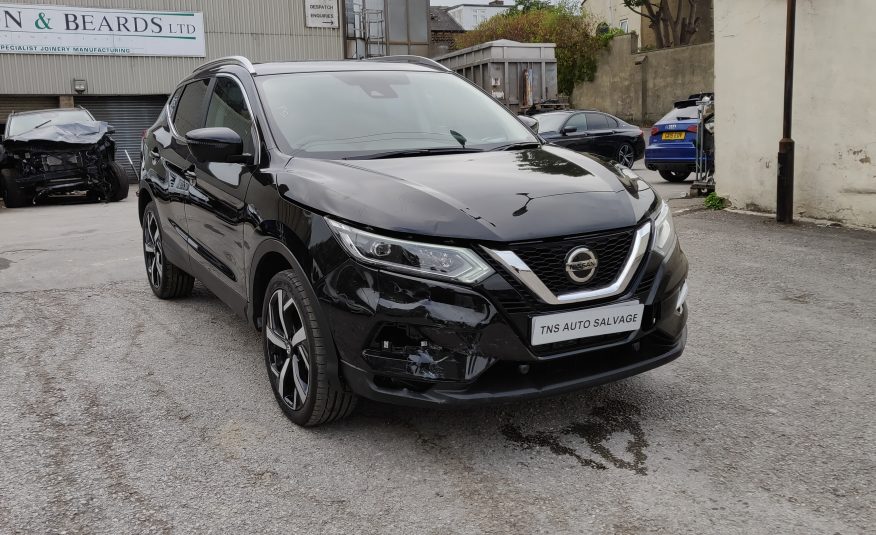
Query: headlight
[438,261]
[664,231]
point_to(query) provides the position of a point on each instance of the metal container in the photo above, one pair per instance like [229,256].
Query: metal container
[523,76]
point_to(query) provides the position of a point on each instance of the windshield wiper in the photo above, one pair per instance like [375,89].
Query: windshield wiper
[413,152]
[518,146]
[34,128]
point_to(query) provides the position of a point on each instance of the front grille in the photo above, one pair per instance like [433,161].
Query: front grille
[548,259]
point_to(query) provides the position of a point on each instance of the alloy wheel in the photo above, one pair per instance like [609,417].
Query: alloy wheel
[287,349]
[626,156]
[153,252]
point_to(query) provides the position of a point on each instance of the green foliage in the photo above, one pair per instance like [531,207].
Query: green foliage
[525,6]
[537,21]
[714,202]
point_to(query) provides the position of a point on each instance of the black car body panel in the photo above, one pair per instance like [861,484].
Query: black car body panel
[495,196]
[393,336]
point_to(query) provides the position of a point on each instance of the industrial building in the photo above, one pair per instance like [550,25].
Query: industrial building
[120,59]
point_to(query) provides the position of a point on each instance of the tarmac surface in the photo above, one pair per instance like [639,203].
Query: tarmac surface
[121,413]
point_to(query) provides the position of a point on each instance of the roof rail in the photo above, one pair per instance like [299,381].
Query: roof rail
[417,60]
[228,60]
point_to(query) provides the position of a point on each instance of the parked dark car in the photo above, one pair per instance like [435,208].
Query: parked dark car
[594,132]
[672,148]
[59,151]
[396,234]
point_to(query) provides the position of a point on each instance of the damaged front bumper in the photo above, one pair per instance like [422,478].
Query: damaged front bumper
[420,342]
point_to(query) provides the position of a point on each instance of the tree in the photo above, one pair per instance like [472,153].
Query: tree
[539,22]
[670,29]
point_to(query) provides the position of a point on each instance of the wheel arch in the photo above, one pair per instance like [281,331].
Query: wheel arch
[271,257]
[144,197]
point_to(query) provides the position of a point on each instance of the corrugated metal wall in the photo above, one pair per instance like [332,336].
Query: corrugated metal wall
[130,116]
[263,30]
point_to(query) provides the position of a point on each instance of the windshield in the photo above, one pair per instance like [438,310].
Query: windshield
[680,114]
[550,122]
[19,124]
[355,114]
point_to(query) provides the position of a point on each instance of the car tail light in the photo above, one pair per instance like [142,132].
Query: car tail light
[692,128]
[654,130]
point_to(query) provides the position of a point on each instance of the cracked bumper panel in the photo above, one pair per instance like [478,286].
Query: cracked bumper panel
[414,341]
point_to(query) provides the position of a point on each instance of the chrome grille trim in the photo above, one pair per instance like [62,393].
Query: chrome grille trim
[518,268]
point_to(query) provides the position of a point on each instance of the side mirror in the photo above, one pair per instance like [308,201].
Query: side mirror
[216,144]
[110,129]
[569,130]
[530,122]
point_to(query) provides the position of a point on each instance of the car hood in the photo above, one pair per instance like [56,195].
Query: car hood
[502,196]
[79,133]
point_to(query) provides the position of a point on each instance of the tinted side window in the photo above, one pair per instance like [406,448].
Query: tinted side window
[188,112]
[612,122]
[578,121]
[228,108]
[597,121]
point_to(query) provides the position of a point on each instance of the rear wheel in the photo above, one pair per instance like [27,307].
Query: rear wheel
[626,155]
[166,280]
[675,176]
[13,195]
[296,354]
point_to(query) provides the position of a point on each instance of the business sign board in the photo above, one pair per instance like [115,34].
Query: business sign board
[321,13]
[35,29]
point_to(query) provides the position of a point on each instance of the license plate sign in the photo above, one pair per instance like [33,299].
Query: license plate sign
[672,136]
[564,326]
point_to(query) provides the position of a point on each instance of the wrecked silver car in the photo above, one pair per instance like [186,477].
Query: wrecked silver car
[58,151]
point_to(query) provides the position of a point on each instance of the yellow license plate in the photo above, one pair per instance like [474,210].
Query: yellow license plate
[669,136]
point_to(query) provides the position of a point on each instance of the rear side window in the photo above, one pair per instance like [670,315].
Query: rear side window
[597,121]
[188,111]
[228,108]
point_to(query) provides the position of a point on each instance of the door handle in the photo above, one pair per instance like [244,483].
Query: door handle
[191,176]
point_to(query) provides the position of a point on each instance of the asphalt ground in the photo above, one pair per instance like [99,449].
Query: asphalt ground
[121,413]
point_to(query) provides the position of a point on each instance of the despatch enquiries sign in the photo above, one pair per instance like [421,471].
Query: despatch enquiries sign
[35,29]
[321,13]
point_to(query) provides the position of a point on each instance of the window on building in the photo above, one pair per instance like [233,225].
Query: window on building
[480,15]
[189,110]
[625,25]
[228,108]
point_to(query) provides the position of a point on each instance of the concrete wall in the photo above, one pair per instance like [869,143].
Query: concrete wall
[641,88]
[834,116]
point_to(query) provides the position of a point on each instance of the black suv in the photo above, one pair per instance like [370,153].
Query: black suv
[397,234]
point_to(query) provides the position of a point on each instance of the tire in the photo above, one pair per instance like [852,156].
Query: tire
[675,176]
[166,280]
[119,183]
[294,344]
[626,155]
[13,195]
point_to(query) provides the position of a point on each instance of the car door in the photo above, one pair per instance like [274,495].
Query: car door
[216,208]
[600,134]
[166,162]
[574,134]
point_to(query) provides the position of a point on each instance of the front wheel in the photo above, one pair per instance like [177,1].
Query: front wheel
[166,279]
[296,354]
[675,176]
[13,195]
[118,182]
[626,155]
